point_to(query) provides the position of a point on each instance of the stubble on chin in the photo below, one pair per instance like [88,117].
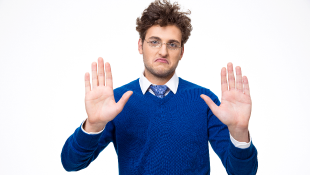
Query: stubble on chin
[160,73]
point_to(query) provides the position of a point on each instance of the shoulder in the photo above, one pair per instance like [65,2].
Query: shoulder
[186,86]
[131,86]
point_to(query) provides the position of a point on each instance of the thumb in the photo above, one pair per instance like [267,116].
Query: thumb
[121,103]
[210,103]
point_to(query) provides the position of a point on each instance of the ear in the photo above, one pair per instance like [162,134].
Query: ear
[182,52]
[140,46]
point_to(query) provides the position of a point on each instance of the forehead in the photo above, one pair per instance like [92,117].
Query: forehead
[170,32]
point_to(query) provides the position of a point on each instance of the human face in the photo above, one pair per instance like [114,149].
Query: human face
[161,62]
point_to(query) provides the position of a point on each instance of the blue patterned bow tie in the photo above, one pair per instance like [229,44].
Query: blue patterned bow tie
[159,90]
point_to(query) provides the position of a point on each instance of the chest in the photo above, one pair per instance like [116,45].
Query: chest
[172,123]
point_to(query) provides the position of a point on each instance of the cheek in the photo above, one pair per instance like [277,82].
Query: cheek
[149,53]
[176,57]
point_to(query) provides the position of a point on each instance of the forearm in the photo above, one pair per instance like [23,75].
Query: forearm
[242,161]
[79,150]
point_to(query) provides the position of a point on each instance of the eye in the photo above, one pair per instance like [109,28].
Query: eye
[173,45]
[154,42]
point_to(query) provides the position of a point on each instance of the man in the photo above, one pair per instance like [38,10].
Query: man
[162,123]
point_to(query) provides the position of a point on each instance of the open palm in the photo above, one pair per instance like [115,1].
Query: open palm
[99,101]
[236,104]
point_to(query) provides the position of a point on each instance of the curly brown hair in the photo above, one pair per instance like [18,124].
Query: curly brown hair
[163,14]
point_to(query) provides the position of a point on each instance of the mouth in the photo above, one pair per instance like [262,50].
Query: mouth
[162,60]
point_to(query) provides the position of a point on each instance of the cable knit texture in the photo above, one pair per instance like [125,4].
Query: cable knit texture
[167,135]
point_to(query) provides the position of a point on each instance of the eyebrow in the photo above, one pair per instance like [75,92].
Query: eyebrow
[157,38]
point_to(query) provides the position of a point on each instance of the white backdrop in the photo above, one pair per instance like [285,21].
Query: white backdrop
[47,46]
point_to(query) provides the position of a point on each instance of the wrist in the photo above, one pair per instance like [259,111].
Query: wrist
[240,134]
[93,127]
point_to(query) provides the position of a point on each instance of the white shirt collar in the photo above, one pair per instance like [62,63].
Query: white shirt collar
[172,84]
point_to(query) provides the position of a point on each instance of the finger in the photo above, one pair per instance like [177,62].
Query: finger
[94,75]
[87,82]
[239,84]
[246,87]
[109,81]
[121,103]
[101,71]
[210,103]
[224,84]
[231,77]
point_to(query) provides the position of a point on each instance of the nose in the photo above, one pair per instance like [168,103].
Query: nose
[163,51]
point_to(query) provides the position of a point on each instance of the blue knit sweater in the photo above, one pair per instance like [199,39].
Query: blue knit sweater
[162,136]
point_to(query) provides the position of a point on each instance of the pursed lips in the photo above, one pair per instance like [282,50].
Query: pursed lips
[161,60]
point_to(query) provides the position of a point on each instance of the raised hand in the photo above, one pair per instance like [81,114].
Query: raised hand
[236,104]
[99,101]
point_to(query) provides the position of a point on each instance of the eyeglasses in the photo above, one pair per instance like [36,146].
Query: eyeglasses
[158,44]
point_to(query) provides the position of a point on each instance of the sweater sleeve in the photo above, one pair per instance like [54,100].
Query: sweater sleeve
[82,148]
[237,161]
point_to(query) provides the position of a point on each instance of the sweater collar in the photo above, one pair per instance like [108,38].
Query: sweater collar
[172,84]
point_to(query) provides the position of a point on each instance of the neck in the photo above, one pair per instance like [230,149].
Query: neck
[157,80]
